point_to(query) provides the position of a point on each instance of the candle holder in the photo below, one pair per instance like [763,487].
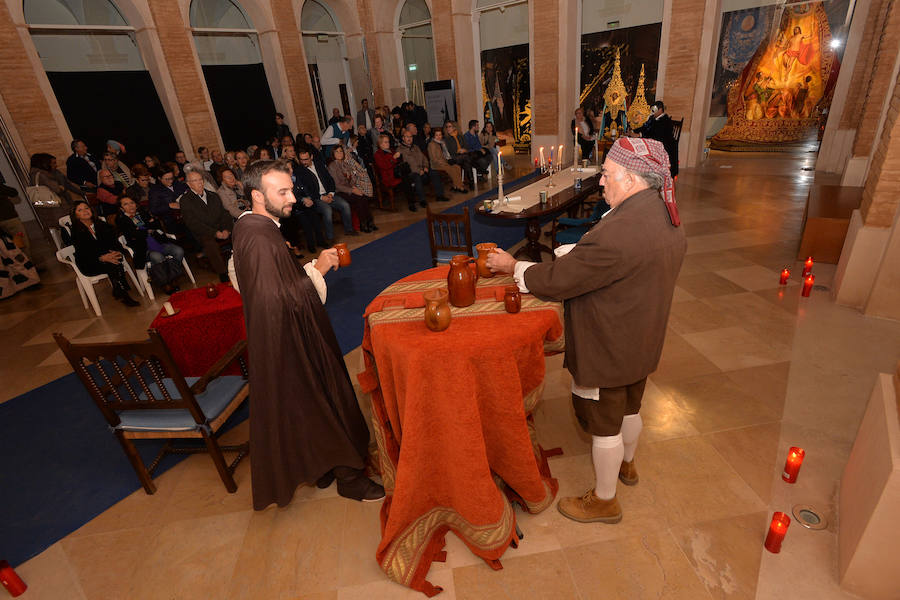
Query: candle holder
[792,464]
[550,183]
[777,530]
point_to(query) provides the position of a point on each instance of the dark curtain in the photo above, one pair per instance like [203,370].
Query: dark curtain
[242,102]
[117,105]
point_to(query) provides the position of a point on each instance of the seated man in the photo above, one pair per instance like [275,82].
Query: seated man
[314,177]
[163,197]
[139,191]
[457,149]
[419,169]
[303,214]
[207,220]
[479,155]
[81,168]
[119,171]
[335,134]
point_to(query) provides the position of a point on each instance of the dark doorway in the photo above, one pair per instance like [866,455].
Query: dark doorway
[242,102]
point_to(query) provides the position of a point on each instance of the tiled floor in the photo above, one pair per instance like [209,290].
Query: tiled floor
[748,369]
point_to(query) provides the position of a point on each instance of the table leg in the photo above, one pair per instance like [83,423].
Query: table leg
[534,247]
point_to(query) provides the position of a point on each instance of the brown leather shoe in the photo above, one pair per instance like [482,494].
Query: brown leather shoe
[628,473]
[590,509]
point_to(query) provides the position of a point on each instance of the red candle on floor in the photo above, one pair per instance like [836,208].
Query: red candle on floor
[535,163]
[807,266]
[777,529]
[785,275]
[792,464]
[12,582]
[808,284]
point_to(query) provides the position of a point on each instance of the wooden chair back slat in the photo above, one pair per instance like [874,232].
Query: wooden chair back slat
[450,232]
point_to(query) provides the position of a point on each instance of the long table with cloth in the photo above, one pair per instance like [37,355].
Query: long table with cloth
[452,420]
[203,329]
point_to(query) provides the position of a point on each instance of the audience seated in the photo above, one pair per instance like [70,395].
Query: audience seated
[148,243]
[153,166]
[303,214]
[335,135]
[281,128]
[379,130]
[139,191]
[218,162]
[440,160]
[365,116]
[479,155]
[393,173]
[458,151]
[97,250]
[164,196]
[203,157]
[81,167]
[117,169]
[335,116]
[207,220]
[180,161]
[231,193]
[242,160]
[419,168]
[489,140]
[352,182]
[44,172]
[108,193]
[314,177]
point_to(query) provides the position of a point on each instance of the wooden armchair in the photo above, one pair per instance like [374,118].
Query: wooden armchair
[142,395]
[449,235]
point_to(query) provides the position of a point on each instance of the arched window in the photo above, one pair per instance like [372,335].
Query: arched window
[505,78]
[326,53]
[90,54]
[417,45]
[228,48]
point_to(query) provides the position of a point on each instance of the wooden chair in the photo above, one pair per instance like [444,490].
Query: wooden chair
[383,193]
[449,235]
[676,129]
[568,230]
[142,395]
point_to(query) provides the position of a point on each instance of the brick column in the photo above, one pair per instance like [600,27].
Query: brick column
[187,77]
[298,83]
[373,50]
[442,24]
[545,61]
[26,93]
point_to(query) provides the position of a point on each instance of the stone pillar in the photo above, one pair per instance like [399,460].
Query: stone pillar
[370,40]
[299,88]
[468,88]
[445,50]
[187,76]
[693,35]
[35,116]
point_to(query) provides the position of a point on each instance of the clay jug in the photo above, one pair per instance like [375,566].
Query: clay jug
[512,298]
[461,281]
[437,311]
[484,250]
[344,259]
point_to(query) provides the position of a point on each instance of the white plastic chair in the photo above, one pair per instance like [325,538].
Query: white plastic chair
[145,277]
[475,173]
[85,283]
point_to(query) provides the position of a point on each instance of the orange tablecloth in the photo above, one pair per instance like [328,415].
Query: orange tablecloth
[452,420]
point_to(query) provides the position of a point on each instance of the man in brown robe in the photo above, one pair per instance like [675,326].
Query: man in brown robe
[305,422]
[617,284]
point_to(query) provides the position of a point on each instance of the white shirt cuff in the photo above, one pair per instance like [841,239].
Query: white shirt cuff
[563,250]
[585,392]
[317,279]
[519,274]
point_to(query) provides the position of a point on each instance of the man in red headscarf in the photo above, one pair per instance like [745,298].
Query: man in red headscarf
[616,284]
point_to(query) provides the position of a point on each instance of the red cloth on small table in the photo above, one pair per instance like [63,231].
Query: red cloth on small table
[452,420]
[203,330]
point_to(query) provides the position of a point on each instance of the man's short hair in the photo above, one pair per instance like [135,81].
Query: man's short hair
[660,104]
[200,149]
[252,179]
[654,181]
[473,123]
[347,119]
[179,152]
[75,143]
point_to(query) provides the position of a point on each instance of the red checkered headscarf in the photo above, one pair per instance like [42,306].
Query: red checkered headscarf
[647,156]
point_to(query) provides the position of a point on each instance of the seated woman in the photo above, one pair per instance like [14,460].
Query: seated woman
[440,160]
[153,166]
[98,252]
[385,161]
[488,139]
[108,193]
[353,184]
[458,152]
[44,172]
[144,236]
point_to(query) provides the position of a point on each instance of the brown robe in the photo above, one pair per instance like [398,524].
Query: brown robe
[617,284]
[304,417]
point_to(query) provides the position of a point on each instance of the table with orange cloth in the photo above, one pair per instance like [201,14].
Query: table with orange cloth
[203,329]
[452,420]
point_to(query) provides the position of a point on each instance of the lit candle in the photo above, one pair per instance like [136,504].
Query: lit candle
[575,147]
[807,266]
[792,464]
[168,306]
[11,581]
[559,159]
[535,163]
[808,284]
[550,158]
[777,529]
[500,163]
[785,275]
[542,157]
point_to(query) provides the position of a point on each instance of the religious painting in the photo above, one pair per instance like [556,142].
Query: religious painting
[785,89]
[636,51]
[742,33]
[506,91]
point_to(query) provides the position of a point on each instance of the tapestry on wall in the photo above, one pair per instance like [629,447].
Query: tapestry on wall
[785,89]
[638,52]
[506,91]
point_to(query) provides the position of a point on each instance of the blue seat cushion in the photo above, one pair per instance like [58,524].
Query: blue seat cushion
[571,222]
[215,399]
[444,256]
[571,235]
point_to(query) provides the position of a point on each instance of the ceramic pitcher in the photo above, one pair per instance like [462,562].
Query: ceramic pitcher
[484,250]
[437,311]
[461,281]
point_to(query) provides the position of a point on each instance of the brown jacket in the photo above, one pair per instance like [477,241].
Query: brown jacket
[414,156]
[617,284]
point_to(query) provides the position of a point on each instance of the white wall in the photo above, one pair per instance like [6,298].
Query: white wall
[227,49]
[502,29]
[595,14]
[81,53]
[329,57]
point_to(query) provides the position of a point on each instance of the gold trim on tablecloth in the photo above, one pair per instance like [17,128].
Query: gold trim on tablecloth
[405,552]
[433,284]
[482,306]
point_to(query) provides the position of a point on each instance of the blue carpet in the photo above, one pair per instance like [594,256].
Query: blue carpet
[62,467]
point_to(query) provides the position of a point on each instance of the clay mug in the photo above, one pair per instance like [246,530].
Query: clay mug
[461,281]
[344,259]
[485,249]
[512,298]
[437,311]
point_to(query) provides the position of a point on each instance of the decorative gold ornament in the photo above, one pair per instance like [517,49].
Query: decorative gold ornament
[639,111]
[614,97]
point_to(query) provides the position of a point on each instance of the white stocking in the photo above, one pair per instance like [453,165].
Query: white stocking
[607,453]
[631,431]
